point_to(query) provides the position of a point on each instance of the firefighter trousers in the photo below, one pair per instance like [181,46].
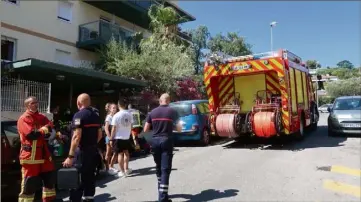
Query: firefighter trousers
[35,176]
[86,162]
[162,151]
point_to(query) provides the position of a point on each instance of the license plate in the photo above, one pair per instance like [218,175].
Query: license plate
[352,125]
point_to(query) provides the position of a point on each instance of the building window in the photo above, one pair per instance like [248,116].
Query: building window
[64,10]
[8,49]
[12,1]
[63,57]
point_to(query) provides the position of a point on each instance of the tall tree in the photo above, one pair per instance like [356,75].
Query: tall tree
[232,44]
[345,64]
[160,60]
[313,64]
[200,37]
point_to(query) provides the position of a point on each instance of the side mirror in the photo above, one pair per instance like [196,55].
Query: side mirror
[329,109]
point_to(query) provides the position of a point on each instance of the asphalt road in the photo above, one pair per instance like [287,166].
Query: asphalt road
[317,169]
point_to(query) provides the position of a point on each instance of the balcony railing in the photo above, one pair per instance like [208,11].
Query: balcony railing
[100,32]
[142,4]
[185,35]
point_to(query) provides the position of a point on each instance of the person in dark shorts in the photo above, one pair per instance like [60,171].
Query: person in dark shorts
[163,121]
[83,152]
[120,137]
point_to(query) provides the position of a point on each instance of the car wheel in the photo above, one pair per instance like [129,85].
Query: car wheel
[205,137]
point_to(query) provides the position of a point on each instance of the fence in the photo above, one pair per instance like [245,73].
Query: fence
[15,91]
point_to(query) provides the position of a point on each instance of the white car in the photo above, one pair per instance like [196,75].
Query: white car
[323,108]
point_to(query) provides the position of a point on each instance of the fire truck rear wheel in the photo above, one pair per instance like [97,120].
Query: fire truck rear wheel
[314,119]
[301,133]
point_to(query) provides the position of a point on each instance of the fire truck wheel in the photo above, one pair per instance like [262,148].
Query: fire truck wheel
[205,138]
[314,119]
[301,133]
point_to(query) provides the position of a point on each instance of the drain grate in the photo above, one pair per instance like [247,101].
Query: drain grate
[324,168]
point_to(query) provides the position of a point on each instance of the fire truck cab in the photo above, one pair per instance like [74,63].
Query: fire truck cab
[267,94]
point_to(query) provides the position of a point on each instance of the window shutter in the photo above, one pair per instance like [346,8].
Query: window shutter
[64,10]
[63,57]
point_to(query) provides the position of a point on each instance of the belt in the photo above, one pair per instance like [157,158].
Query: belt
[28,148]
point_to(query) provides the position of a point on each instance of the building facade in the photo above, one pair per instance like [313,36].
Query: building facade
[56,41]
[64,32]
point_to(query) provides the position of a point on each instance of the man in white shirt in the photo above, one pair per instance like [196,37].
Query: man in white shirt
[121,128]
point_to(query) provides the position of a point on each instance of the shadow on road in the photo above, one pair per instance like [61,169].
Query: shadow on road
[214,141]
[145,171]
[105,197]
[207,195]
[314,139]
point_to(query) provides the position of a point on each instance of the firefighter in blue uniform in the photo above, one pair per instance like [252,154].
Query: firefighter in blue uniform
[83,151]
[163,120]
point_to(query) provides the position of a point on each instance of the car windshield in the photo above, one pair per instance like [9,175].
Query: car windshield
[348,104]
[182,109]
[11,133]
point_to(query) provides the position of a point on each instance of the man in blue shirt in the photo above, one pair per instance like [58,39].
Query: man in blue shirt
[87,133]
[163,121]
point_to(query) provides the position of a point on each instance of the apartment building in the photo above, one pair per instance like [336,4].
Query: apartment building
[57,41]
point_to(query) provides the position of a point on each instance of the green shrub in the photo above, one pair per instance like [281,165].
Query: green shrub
[344,87]
[325,100]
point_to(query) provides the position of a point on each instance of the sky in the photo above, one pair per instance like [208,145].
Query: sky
[328,32]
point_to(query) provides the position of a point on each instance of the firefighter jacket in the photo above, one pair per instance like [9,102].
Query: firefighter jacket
[33,128]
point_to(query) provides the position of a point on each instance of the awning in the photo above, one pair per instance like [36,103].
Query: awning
[63,75]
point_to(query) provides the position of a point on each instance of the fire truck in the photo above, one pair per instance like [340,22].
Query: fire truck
[264,95]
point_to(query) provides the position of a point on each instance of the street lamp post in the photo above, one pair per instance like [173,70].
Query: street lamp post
[272,24]
[317,86]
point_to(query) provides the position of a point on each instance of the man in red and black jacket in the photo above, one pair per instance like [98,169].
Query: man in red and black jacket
[37,165]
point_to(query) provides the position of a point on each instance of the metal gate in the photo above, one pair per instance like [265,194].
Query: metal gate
[15,91]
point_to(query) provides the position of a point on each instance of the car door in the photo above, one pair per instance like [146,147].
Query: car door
[206,113]
[6,151]
[10,143]
[202,115]
[10,166]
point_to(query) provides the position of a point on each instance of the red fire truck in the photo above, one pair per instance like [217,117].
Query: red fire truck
[267,94]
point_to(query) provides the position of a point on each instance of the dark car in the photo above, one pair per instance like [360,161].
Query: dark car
[345,116]
[10,165]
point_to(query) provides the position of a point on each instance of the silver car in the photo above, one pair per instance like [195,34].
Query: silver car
[324,108]
[345,116]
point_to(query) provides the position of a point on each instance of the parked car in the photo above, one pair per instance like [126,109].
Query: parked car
[345,116]
[324,108]
[194,119]
[10,165]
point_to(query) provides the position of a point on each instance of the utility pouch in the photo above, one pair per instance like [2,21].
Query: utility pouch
[68,178]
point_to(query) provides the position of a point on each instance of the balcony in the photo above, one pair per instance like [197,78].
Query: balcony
[93,35]
[134,11]
[184,35]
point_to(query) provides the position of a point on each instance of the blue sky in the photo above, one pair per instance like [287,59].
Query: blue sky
[326,31]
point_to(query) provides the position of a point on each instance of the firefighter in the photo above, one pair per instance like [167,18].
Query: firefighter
[37,166]
[136,126]
[87,133]
[163,120]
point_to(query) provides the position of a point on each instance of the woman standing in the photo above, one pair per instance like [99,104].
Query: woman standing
[111,110]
